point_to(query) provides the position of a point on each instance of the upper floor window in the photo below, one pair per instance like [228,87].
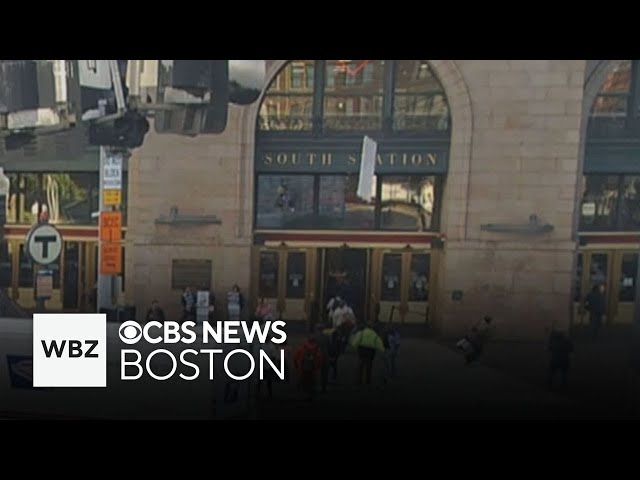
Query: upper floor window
[616,109]
[289,100]
[333,96]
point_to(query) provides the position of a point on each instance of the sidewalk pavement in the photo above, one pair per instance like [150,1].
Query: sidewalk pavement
[432,383]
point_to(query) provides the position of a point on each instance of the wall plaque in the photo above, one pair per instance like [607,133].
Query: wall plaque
[191,273]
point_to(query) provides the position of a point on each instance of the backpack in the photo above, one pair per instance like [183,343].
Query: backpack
[308,361]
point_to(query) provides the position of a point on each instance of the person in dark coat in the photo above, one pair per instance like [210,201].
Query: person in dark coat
[155,313]
[596,306]
[561,348]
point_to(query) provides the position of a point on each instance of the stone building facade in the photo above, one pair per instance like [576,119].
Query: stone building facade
[510,176]
[514,152]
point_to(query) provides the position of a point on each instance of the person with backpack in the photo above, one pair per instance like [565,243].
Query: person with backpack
[307,361]
[367,342]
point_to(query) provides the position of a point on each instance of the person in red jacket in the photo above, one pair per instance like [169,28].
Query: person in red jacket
[307,361]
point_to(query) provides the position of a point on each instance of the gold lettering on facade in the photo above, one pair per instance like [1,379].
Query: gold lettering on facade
[326,159]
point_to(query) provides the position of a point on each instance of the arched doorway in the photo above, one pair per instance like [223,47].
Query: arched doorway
[313,236]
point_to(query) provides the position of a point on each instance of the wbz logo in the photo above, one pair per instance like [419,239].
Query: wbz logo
[69,350]
[74,350]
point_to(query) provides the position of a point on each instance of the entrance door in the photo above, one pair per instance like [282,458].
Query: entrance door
[623,287]
[616,269]
[402,281]
[282,281]
[346,276]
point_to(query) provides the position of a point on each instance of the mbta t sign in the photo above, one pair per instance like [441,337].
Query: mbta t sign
[44,244]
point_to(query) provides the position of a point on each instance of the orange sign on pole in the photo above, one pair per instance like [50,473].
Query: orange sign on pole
[110,258]
[110,226]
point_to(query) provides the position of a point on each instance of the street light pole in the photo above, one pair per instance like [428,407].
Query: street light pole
[5,185]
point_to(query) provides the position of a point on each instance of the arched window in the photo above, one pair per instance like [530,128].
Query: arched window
[419,101]
[611,184]
[353,95]
[288,104]
[615,109]
[327,97]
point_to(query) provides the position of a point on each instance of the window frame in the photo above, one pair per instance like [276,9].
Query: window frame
[387,120]
[377,224]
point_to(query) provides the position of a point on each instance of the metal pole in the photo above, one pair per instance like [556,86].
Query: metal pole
[636,310]
[104,288]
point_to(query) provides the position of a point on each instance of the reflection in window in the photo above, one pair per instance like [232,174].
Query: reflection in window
[609,110]
[340,207]
[268,282]
[391,273]
[407,203]
[12,199]
[353,94]
[285,201]
[628,277]
[630,203]
[614,91]
[6,264]
[25,272]
[599,202]
[288,102]
[71,197]
[28,198]
[419,99]
[296,269]
[419,287]
[59,198]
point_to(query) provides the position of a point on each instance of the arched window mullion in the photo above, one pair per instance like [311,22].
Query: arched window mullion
[318,96]
[387,96]
[634,97]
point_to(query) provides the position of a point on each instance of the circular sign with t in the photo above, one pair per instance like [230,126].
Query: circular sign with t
[44,244]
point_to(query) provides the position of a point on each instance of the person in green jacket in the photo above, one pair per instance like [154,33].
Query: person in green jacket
[367,342]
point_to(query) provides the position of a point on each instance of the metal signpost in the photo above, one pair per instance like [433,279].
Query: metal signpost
[109,255]
[44,246]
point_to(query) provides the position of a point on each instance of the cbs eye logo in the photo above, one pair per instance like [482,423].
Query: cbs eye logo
[130,332]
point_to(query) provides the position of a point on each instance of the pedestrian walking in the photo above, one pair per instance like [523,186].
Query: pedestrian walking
[367,342]
[268,374]
[155,313]
[188,301]
[307,362]
[235,303]
[392,346]
[323,341]
[561,348]
[595,303]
